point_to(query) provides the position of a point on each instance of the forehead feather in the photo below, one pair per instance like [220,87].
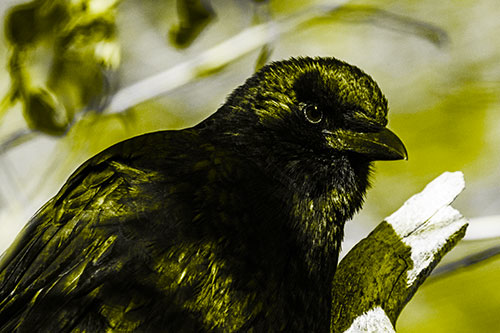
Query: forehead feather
[348,85]
[327,81]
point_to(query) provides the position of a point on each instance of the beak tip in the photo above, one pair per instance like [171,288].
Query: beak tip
[389,147]
[404,154]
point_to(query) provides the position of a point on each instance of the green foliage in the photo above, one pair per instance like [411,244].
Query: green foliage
[59,52]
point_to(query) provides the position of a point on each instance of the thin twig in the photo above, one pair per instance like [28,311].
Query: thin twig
[470,260]
[17,138]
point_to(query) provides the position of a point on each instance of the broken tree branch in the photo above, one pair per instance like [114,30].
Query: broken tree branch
[382,272]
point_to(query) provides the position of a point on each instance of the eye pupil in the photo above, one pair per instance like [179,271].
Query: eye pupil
[312,113]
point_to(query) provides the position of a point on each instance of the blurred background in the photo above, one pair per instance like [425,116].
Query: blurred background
[77,76]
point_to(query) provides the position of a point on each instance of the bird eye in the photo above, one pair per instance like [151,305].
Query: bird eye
[312,113]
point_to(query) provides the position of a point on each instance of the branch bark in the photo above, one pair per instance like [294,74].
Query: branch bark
[378,277]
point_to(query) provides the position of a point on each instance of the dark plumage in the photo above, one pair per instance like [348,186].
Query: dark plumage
[234,224]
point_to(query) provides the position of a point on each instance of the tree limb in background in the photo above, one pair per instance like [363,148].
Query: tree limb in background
[467,261]
[481,230]
[378,277]
[388,20]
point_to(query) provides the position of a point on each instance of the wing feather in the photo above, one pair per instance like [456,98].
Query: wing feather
[106,252]
[66,238]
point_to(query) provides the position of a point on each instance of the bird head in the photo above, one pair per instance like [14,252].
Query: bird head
[315,122]
[311,127]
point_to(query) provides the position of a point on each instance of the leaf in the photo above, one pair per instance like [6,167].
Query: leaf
[44,112]
[194,16]
[20,25]
[264,56]
[26,24]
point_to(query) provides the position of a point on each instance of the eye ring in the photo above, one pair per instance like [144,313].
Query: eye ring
[312,113]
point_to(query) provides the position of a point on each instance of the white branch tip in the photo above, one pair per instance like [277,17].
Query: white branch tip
[422,206]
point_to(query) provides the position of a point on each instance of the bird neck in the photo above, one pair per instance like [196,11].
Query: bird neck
[318,191]
[319,211]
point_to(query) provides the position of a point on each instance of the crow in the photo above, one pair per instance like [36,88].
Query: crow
[234,224]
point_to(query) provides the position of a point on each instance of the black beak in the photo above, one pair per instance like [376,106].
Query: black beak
[382,145]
